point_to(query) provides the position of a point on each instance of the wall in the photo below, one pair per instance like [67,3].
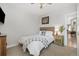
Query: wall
[18,22]
[53,20]
[57,13]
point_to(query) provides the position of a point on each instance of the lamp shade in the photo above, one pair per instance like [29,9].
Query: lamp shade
[57,30]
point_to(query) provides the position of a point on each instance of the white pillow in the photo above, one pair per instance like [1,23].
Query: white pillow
[49,33]
[42,33]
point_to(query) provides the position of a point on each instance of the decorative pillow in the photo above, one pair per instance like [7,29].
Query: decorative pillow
[49,33]
[42,33]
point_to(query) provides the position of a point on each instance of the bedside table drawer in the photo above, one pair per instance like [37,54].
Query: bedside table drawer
[59,40]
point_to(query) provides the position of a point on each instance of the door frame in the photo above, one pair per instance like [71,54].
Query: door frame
[67,17]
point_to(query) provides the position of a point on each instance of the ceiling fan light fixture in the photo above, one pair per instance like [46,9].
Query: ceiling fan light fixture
[43,5]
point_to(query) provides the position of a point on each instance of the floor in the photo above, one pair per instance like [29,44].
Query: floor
[52,50]
[78,45]
[72,41]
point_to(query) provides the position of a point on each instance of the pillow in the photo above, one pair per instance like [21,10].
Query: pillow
[42,33]
[49,33]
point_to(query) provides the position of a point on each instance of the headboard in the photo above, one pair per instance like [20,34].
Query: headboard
[47,29]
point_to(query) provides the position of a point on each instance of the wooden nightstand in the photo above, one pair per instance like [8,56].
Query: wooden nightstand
[2,45]
[59,40]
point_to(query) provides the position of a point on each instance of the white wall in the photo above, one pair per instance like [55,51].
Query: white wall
[54,20]
[57,13]
[18,22]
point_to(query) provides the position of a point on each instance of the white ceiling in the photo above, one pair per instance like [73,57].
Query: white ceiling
[55,8]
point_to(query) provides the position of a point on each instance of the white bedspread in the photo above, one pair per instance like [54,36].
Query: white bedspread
[35,43]
[35,47]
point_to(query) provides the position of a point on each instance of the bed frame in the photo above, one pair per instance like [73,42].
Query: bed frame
[48,29]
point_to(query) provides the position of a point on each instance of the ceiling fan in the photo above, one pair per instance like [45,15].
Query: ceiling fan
[42,5]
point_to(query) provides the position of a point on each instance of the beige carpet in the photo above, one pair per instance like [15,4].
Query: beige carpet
[52,50]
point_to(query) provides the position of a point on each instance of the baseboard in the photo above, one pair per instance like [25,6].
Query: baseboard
[10,46]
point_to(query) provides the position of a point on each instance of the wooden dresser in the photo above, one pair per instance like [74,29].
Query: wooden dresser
[2,45]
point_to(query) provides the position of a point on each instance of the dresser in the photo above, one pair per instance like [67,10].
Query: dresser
[2,45]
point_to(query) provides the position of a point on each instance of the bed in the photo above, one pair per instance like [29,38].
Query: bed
[35,43]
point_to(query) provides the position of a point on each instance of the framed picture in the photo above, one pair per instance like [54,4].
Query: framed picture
[45,20]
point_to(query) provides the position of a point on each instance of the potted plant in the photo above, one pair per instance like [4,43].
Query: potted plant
[61,29]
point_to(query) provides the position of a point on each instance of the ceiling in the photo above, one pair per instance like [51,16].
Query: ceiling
[55,8]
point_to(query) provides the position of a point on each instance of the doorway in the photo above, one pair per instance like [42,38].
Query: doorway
[71,32]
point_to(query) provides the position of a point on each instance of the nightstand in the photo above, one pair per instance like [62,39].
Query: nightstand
[2,45]
[59,40]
